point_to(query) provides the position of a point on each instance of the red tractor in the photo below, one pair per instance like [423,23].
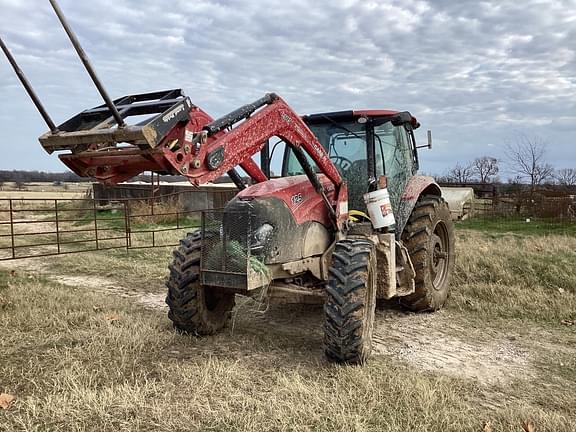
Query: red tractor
[348,223]
[306,236]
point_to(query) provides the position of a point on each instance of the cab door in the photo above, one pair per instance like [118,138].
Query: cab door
[393,158]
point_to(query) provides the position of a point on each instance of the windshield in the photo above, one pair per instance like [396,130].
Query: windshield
[345,143]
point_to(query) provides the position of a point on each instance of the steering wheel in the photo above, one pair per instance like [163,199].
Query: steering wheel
[342,163]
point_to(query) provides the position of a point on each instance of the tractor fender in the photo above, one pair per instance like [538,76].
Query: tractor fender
[416,187]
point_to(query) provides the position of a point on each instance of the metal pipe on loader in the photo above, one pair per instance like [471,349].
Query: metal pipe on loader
[87,64]
[28,88]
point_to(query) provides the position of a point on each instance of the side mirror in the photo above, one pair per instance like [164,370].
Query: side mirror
[429,145]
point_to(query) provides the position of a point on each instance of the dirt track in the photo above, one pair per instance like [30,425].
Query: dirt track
[430,342]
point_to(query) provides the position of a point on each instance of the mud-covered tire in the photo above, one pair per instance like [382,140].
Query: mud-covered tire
[429,238]
[350,302]
[194,308]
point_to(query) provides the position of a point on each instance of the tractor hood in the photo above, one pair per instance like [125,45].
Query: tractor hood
[298,195]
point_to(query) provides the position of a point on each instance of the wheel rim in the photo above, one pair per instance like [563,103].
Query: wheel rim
[440,255]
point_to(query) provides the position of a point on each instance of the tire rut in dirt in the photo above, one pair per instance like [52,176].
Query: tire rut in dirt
[429,237]
[194,308]
[350,302]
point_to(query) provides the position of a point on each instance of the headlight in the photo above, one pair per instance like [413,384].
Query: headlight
[260,237]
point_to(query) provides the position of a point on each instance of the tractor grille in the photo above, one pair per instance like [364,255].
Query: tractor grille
[226,260]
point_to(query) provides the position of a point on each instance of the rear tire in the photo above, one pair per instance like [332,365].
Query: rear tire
[193,307]
[429,238]
[350,302]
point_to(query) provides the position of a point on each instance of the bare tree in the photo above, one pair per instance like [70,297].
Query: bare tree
[461,173]
[566,177]
[526,157]
[485,168]
[441,178]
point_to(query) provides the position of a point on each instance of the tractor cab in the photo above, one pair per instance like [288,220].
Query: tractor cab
[364,145]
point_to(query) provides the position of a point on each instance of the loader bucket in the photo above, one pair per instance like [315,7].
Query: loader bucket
[111,143]
[100,142]
[96,127]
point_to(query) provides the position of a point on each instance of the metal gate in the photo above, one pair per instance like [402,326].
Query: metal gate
[37,227]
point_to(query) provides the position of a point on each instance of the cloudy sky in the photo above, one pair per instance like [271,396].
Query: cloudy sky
[477,73]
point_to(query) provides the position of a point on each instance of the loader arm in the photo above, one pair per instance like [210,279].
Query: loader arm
[220,152]
[225,150]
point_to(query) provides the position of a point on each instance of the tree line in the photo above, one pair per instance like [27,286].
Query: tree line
[20,176]
[525,158]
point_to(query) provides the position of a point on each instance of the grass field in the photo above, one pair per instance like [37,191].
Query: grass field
[85,345]
[530,226]
[43,191]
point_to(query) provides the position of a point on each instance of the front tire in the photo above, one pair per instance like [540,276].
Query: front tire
[194,308]
[429,238]
[350,302]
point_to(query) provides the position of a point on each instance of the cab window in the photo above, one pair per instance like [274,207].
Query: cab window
[394,158]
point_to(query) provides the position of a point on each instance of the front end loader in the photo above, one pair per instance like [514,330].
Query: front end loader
[348,224]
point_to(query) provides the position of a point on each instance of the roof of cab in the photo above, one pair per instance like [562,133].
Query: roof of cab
[404,116]
[341,115]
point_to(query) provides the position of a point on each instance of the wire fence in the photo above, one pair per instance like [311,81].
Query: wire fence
[528,215]
[39,227]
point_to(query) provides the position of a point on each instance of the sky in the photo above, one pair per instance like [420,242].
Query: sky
[477,73]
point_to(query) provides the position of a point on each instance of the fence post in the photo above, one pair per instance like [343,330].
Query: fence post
[127,225]
[95,214]
[12,229]
[57,225]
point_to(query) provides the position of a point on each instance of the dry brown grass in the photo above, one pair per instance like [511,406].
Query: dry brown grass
[73,368]
[40,196]
[512,276]
[46,187]
[82,360]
